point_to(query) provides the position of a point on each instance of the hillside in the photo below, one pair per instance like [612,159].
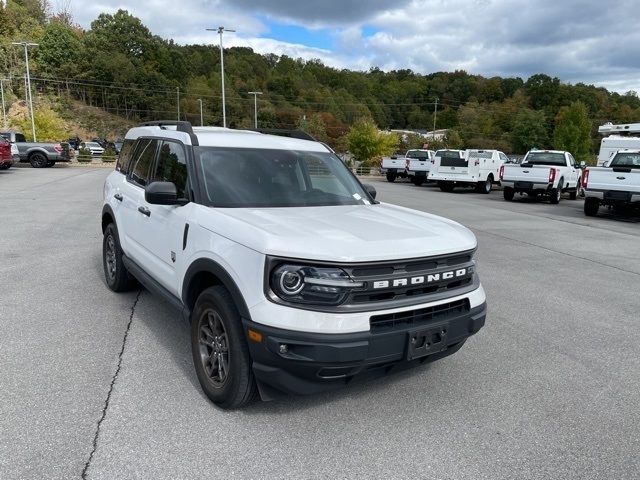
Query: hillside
[139,76]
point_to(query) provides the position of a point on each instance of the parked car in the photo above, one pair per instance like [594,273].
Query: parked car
[39,155]
[280,259]
[417,165]
[542,172]
[394,167]
[94,147]
[470,168]
[616,185]
[6,157]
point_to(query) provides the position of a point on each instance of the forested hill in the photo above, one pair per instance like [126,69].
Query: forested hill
[121,67]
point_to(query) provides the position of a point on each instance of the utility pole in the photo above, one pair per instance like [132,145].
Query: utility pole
[435,115]
[4,112]
[26,46]
[178,96]
[255,106]
[220,31]
[201,118]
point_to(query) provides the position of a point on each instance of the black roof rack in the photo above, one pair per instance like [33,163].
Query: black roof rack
[285,133]
[181,126]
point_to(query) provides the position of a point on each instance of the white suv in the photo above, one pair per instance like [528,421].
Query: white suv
[281,260]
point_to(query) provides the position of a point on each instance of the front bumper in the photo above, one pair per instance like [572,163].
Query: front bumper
[304,363]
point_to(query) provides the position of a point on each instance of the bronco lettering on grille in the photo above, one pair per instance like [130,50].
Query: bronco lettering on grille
[422,279]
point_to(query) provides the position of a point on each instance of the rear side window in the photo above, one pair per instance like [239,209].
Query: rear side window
[124,159]
[172,166]
[145,154]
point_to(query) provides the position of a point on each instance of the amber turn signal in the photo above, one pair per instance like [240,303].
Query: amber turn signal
[254,336]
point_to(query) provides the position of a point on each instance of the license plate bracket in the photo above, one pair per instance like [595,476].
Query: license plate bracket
[427,341]
[524,185]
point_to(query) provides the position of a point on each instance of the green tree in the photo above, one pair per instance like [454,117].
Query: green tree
[49,126]
[366,142]
[314,125]
[59,49]
[529,131]
[573,131]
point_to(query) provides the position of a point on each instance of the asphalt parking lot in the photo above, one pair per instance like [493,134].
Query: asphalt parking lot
[102,385]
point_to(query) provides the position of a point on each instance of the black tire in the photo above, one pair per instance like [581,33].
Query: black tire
[556,193]
[50,164]
[116,275]
[5,167]
[486,186]
[391,177]
[508,193]
[417,181]
[446,186]
[591,206]
[574,193]
[217,339]
[38,160]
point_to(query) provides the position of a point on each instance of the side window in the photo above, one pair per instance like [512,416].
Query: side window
[124,158]
[572,162]
[144,155]
[172,166]
[504,158]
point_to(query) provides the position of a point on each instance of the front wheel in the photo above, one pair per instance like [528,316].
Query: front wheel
[391,177]
[446,186]
[220,351]
[508,193]
[591,206]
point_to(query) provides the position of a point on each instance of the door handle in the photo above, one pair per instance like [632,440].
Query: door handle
[144,211]
[118,197]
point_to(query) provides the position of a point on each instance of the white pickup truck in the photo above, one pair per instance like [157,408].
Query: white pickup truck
[418,163]
[542,172]
[394,167]
[617,185]
[475,168]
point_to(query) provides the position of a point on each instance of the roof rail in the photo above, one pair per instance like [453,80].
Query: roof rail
[285,133]
[181,126]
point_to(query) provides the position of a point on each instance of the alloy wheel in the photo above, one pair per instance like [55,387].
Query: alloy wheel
[214,347]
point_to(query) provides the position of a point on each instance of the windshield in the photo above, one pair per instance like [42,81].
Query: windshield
[93,145]
[626,159]
[417,154]
[246,177]
[545,158]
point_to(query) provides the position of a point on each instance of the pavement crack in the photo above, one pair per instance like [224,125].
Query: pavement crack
[113,382]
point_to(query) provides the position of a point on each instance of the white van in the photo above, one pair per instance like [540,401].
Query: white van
[477,168]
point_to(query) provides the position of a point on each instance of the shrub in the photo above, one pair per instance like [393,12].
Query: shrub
[84,155]
[109,155]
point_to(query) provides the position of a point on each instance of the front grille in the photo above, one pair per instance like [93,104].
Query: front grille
[372,274]
[422,316]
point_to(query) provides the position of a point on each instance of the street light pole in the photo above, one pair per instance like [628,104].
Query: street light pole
[435,115]
[26,46]
[178,96]
[220,31]
[201,120]
[4,112]
[255,106]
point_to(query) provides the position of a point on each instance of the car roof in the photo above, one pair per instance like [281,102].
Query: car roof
[228,137]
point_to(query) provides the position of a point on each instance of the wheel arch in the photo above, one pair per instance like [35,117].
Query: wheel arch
[107,217]
[204,273]
[33,151]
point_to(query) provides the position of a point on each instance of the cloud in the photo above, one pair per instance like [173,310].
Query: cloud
[575,40]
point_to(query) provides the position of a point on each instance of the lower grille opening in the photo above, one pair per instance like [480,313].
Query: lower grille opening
[421,316]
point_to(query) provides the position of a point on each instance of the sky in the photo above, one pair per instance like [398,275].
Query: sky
[594,42]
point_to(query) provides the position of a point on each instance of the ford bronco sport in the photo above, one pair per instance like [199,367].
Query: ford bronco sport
[281,261]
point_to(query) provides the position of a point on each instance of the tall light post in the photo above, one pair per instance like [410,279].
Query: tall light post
[201,118]
[255,106]
[26,46]
[4,112]
[435,115]
[220,31]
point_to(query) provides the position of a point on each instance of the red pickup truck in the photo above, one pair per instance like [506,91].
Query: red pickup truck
[6,158]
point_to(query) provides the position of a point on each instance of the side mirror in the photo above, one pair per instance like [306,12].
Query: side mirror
[162,193]
[371,190]
[583,164]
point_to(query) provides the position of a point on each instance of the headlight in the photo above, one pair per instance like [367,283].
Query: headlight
[311,285]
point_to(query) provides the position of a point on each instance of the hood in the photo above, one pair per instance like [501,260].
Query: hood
[355,233]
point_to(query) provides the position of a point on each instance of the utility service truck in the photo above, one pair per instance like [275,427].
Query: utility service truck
[471,168]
